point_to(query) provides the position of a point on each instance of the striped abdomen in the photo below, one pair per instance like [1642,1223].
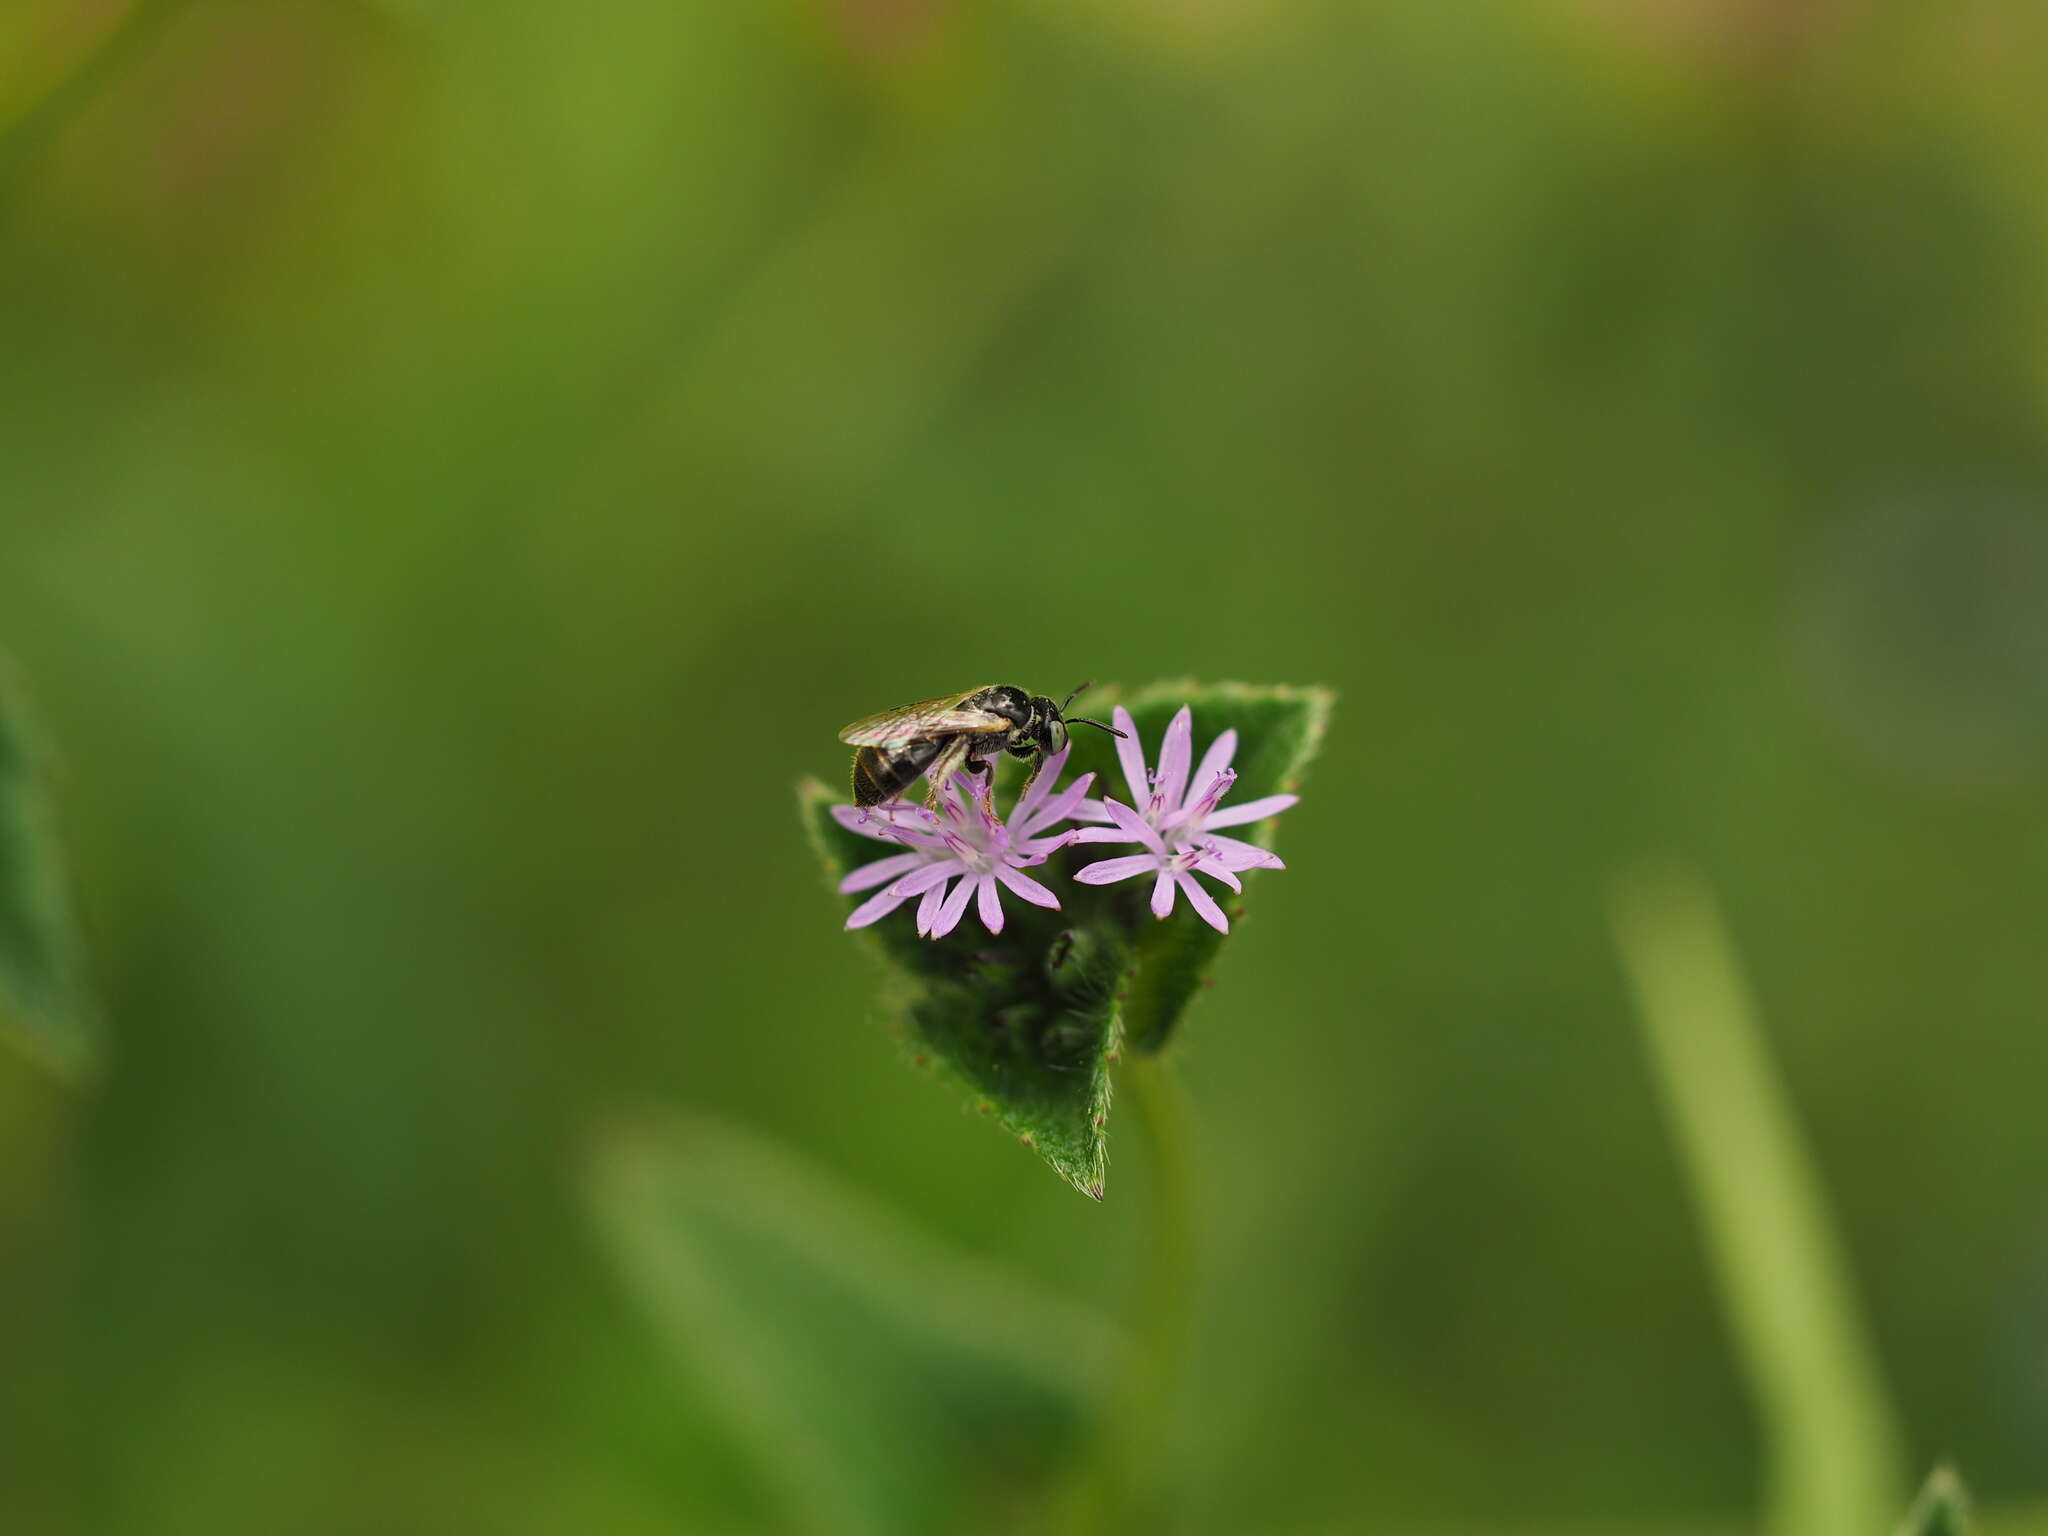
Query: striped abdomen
[883,773]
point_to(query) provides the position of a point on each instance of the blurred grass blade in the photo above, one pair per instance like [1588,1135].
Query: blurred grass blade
[1832,1442]
[1943,1508]
[883,1378]
[44,1002]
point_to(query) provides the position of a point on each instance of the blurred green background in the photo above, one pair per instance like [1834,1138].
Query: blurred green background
[460,463]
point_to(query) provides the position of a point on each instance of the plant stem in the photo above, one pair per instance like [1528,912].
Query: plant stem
[1117,1488]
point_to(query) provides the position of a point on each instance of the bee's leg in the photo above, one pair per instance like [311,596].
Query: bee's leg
[944,766]
[1031,778]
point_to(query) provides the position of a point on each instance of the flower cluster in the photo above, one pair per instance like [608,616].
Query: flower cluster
[1177,834]
[963,852]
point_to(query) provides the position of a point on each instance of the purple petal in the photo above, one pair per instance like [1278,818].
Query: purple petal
[884,822]
[1131,755]
[1090,810]
[985,817]
[1099,835]
[876,907]
[1162,894]
[880,872]
[923,833]
[1174,757]
[936,843]
[1196,811]
[1056,809]
[991,904]
[1103,871]
[1133,825]
[1027,887]
[948,917]
[1213,789]
[928,909]
[960,803]
[1219,757]
[1216,870]
[1251,810]
[1237,855]
[1203,903]
[920,880]
[1035,850]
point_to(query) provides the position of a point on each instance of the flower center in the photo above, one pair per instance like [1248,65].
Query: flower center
[1185,829]
[979,860]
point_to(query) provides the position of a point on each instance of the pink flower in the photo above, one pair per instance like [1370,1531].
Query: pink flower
[1176,833]
[962,852]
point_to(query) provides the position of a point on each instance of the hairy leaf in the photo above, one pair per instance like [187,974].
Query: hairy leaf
[1029,1022]
[44,1003]
[887,1383]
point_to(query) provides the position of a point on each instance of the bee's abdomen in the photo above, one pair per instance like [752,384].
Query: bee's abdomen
[883,773]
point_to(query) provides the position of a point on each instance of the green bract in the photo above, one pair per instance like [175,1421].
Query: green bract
[1030,1021]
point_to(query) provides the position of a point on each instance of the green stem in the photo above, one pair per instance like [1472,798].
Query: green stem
[1117,1488]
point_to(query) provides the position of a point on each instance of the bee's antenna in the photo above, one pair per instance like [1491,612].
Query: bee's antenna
[1065,719]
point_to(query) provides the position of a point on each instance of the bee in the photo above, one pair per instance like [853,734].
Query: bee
[940,737]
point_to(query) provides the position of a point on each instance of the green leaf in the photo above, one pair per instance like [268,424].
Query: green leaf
[1943,1508]
[888,1383]
[1029,1022]
[44,1003]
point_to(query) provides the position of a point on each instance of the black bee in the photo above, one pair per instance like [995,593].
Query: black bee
[940,737]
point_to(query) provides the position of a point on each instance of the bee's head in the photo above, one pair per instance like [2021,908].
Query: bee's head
[1037,718]
[1052,724]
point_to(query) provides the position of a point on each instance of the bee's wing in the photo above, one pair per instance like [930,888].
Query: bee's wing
[906,723]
